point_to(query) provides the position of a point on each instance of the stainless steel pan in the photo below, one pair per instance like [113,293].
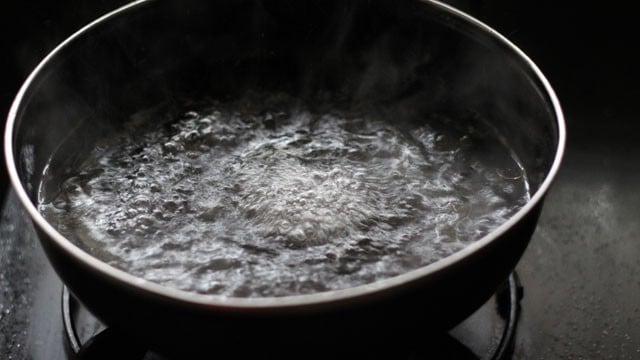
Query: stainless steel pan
[441,60]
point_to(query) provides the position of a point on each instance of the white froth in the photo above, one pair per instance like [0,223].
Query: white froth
[239,199]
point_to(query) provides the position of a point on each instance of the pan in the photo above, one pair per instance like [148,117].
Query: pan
[423,57]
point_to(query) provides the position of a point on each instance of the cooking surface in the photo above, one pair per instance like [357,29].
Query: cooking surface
[581,272]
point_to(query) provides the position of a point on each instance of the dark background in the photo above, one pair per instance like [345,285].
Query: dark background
[581,272]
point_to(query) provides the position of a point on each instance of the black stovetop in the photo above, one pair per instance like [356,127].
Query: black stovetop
[581,272]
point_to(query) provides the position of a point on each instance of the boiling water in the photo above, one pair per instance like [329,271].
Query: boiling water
[241,200]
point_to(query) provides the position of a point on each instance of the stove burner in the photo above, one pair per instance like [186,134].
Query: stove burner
[488,334]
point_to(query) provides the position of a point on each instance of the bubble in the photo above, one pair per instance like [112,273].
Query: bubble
[171,147]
